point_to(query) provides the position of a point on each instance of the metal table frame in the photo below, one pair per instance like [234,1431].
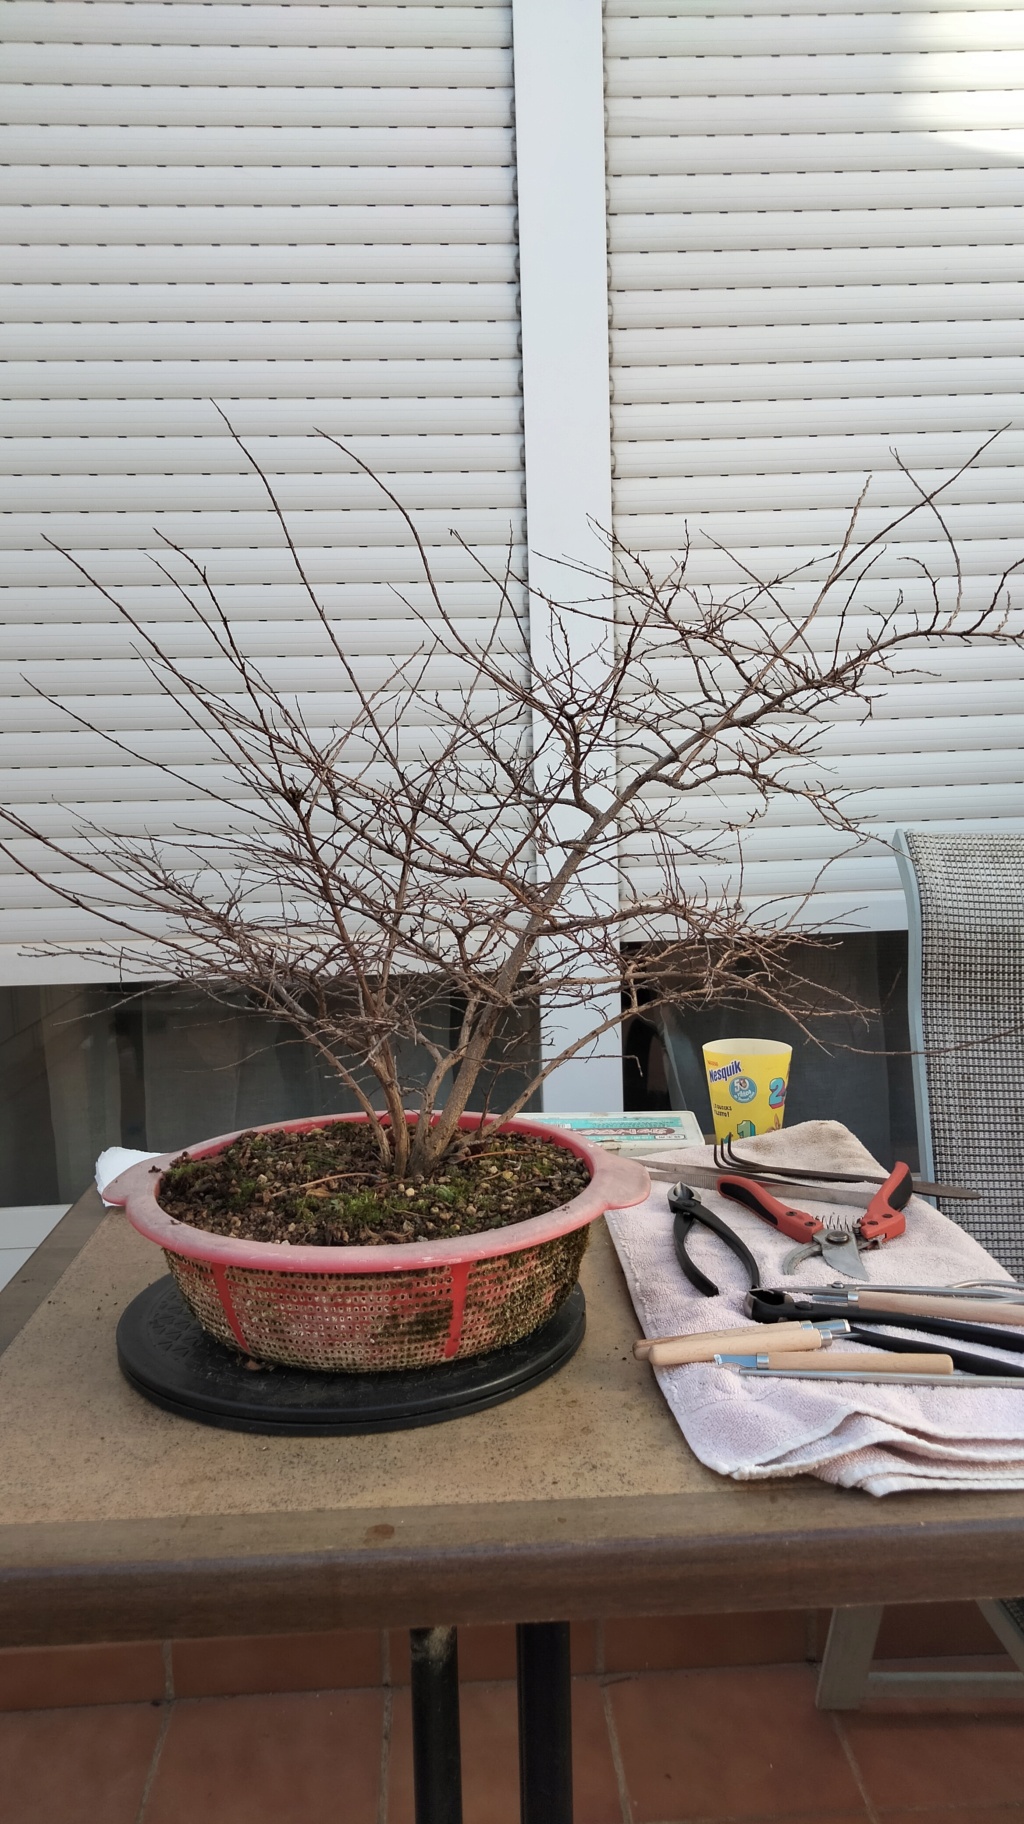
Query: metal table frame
[545,1724]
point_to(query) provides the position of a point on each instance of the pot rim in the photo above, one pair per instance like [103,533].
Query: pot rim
[615,1183]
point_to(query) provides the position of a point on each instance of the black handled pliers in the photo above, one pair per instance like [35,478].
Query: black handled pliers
[687,1209]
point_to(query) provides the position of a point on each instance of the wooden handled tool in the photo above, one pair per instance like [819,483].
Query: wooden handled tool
[917,1304]
[832,1362]
[746,1333]
[679,1349]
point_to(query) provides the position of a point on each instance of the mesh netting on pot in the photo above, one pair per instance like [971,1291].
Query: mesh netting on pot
[370,1322]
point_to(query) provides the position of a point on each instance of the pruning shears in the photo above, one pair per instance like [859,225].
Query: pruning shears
[839,1244]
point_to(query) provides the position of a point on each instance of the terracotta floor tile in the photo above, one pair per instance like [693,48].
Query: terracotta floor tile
[663,1643]
[253,1663]
[490,1763]
[595,1785]
[933,1629]
[745,1743]
[938,1760]
[48,1678]
[490,1652]
[999,1814]
[79,1766]
[398,1650]
[490,1758]
[270,1760]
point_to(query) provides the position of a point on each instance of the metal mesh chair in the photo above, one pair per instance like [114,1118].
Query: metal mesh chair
[965,905]
[965,914]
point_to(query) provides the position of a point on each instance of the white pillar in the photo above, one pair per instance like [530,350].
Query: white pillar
[559,90]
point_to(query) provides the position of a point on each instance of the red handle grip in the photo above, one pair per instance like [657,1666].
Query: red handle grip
[797,1224]
[883,1219]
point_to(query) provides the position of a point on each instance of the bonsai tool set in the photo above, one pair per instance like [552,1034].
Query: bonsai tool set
[847,1188]
[964,1303]
[804,1346]
[995,1330]
[727,1159]
[705,1345]
[840,1245]
[792,1347]
[806,1321]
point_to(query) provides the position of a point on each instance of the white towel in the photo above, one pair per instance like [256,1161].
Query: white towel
[882,1439]
[114,1161]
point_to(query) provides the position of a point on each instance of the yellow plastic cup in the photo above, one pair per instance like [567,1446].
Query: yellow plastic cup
[747,1083]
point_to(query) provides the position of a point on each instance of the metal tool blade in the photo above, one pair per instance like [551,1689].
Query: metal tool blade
[820,1191]
[706,1178]
[842,1253]
[887,1380]
[1013,1294]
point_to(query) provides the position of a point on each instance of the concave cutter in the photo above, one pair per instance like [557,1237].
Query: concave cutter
[687,1209]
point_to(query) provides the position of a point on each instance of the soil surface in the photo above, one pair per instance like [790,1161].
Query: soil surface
[327,1188]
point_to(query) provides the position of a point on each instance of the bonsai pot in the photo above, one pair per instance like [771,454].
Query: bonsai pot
[393,1306]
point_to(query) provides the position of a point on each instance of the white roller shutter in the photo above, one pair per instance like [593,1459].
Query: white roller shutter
[815,226]
[305,213]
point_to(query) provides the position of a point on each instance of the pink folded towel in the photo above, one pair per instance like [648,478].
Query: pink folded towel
[882,1439]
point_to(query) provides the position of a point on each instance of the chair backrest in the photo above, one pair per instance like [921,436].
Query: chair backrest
[965,904]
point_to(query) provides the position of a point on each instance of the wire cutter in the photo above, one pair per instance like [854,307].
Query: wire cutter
[839,1244]
[687,1209]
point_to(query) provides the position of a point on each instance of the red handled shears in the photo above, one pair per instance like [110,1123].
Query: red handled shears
[839,1244]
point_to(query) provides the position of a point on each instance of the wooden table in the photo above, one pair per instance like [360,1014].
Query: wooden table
[577,1500]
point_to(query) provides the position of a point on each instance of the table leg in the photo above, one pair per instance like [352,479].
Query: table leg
[545,1722]
[437,1763]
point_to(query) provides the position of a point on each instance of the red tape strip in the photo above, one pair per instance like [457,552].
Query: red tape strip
[220,1280]
[460,1282]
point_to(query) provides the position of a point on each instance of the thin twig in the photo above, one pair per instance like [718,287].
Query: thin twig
[404,865]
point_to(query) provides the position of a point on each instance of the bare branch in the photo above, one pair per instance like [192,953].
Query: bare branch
[405,864]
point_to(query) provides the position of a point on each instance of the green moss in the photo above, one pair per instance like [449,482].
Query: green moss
[329,1187]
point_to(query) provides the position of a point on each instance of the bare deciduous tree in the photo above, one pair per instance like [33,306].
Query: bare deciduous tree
[467,832]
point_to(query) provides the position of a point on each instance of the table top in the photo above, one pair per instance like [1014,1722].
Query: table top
[580,1498]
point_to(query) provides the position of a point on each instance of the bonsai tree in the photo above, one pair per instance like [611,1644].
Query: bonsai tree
[463,832]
